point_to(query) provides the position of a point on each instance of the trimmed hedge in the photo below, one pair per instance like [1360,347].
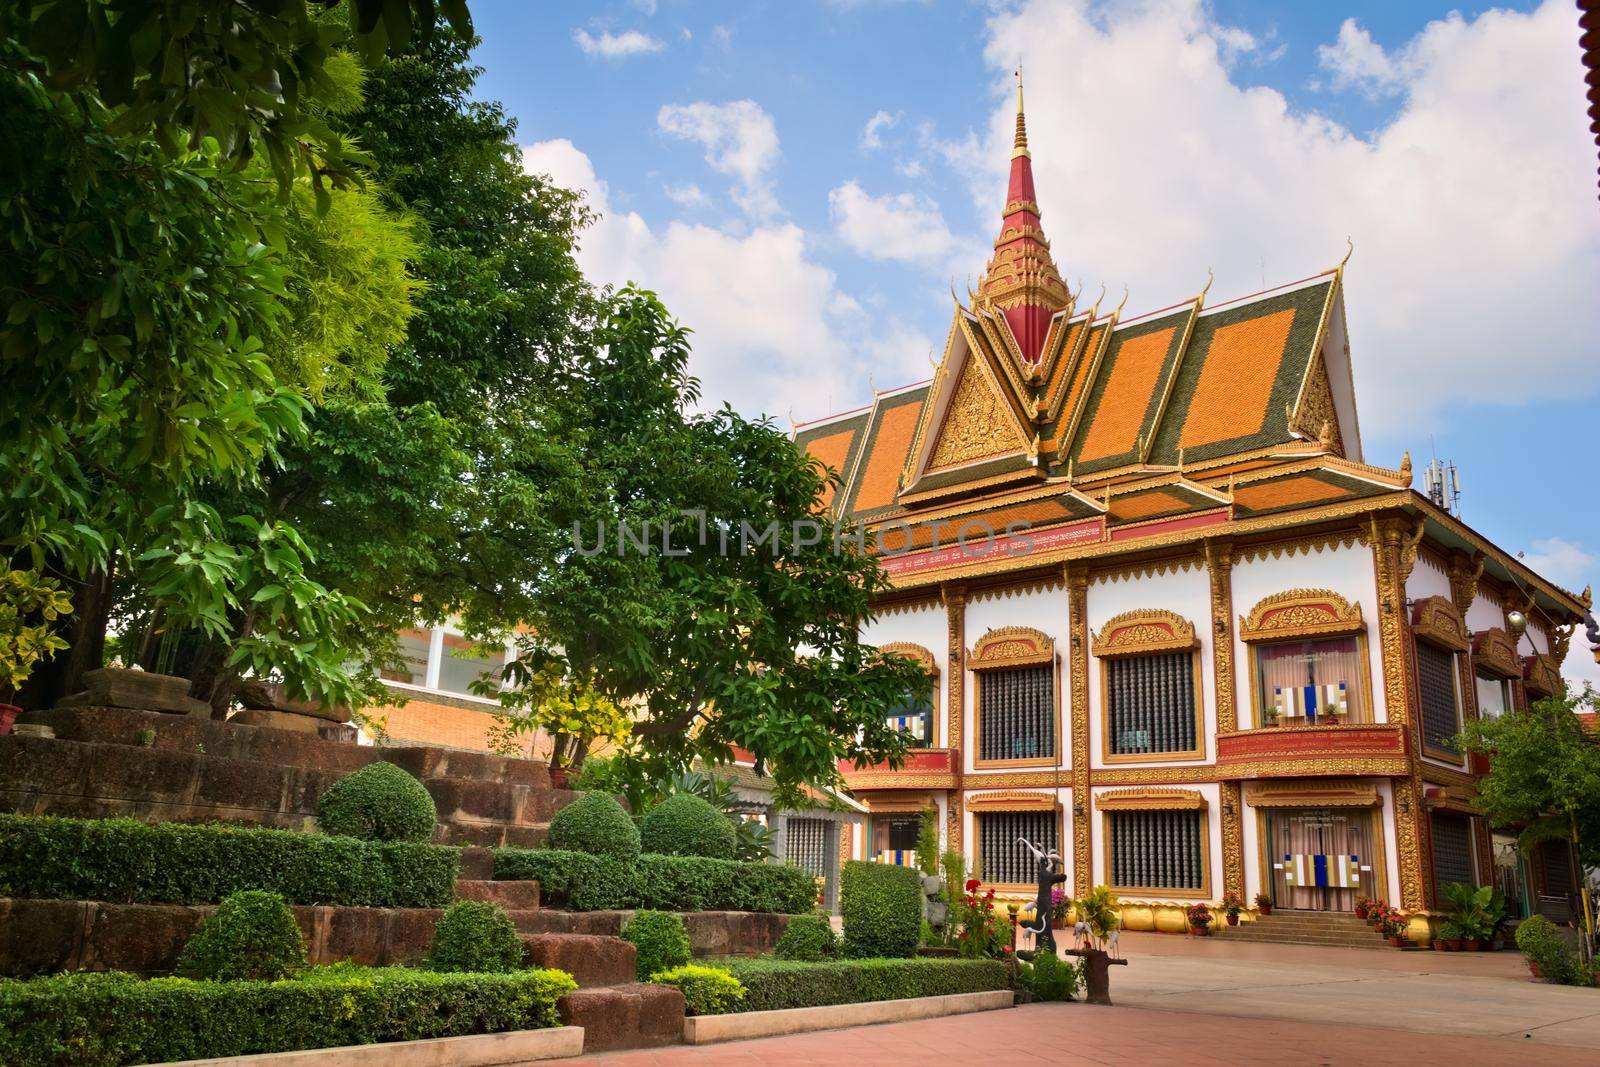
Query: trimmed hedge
[109,1019]
[881,906]
[252,935]
[582,882]
[772,984]
[659,940]
[379,802]
[597,824]
[124,861]
[687,825]
[475,935]
[706,990]
[809,938]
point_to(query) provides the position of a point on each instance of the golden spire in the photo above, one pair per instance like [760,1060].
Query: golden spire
[1019,147]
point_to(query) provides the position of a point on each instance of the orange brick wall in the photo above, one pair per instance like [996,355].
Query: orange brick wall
[423,722]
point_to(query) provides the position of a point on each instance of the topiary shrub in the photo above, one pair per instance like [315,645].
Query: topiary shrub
[706,990]
[1048,977]
[660,939]
[687,825]
[809,938]
[882,910]
[1541,941]
[251,936]
[379,802]
[473,935]
[595,823]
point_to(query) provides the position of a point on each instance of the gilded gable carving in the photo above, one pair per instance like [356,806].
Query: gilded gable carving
[1437,619]
[1012,646]
[1138,632]
[1300,613]
[976,423]
[912,652]
[1494,649]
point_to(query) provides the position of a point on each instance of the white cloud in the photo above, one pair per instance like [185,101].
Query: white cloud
[773,332]
[722,37]
[740,141]
[870,133]
[902,226]
[617,45]
[687,195]
[1559,560]
[1477,246]
[647,7]
[1356,60]
[910,168]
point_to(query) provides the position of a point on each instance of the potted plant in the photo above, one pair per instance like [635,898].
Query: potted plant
[1200,918]
[1060,907]
[1232,905]
[1391,923]
[26,596]
[1264,903]
[1449,939]
[1363,907]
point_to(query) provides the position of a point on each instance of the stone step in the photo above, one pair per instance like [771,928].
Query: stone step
[513,896]
[591,959]
[636,1015]
[711,933]
[485,834]
[1333,940]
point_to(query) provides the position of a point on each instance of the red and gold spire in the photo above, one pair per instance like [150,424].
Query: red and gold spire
[1021,279]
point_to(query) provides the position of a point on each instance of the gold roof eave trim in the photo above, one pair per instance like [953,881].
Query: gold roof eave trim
[1301,613]
[1140,632]
[1346,794]
[1011,802]
[1011,646]
[1150,800]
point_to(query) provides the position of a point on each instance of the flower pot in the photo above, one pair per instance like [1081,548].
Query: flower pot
[558,777]
[1533,969]
[1441,946]
[1199,931]
[1452,944]
[8,715]
[1233,920]
[1471,945]
[1361,911]
[1397,940]
[1265,909]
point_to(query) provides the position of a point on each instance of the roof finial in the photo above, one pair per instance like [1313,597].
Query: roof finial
[1019,146]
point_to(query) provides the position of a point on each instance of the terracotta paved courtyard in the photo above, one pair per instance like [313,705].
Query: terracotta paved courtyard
[1183,1001]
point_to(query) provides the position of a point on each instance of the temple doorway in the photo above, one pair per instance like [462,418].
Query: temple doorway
[1321,859]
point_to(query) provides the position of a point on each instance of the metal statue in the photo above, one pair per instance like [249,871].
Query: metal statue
[1042,909]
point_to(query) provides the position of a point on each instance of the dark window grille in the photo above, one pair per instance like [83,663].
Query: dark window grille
[1452,850]
[1436,689]
[1150,703]
[913,718]
[1018,711]
[1001,858]
[1157,850]
[808,845]
[1557,868]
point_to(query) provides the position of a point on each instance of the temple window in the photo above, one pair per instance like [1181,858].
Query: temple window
[1494,695]
[444,660]
[1017,697]
[1001,859]
[1495,669]
[1439,697]
[894,838]
[1452,850]
[1308,660]
[1157,842]
[1150,688]
[915,716]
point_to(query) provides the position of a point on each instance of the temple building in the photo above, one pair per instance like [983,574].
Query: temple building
[1175,625]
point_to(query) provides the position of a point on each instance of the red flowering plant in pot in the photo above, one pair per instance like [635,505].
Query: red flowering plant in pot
[1232,905]
[1200,919]
[982,932]
[30,608]
[1363,907]
[1391,924]
[1264,903]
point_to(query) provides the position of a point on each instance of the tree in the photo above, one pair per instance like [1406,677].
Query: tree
[1544,773]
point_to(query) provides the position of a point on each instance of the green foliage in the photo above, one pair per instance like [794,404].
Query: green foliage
[1049,978]
[660,939]
[928,841]
[127,861]
[473,935]
[27,595]
[109,1019]
[882,909]
[808,938]
[686,825]
[244,75]
[546,699]
[1098,909]
[252,936]
[379,802]
[982,932]
[706,990]
[1544,773]
[585,882]
[1542,942]
[774,984]
[597,824]
[1473,914]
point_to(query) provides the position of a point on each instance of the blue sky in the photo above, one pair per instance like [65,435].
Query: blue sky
[732,150]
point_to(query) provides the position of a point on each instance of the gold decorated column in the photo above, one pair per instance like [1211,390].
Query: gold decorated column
[955,613]
[1219,565]
[1394,548]
[1078,668]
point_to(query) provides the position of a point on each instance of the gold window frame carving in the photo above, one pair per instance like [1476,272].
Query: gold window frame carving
[1135,633]
[1150,800]
[1540,676]
[914,652]
[1011,801]
[977,845]
[1057,759]
[1156,893]
[1011,646]
[1198,752]
[1301,613]
[1437,619]
[1493,649]
[1347,793]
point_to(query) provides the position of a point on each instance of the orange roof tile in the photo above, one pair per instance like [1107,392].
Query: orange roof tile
[1236,382]
[831,450]
[1287,492]
[880,473]
[1126,398]
[1146,505]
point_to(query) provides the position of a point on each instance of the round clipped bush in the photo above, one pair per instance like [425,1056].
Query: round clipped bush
[597,824]
[706,990]
[379,802]
[687,825]
[809,938]
[881,906]
[473,935]
[251,936]
[1540,940]
[660,940]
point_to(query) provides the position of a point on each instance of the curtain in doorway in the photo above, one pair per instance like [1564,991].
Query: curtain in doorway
[1334,835]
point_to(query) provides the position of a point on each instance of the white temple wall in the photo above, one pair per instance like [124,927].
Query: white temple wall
[1485,613]
[1427,579]
[1045,610]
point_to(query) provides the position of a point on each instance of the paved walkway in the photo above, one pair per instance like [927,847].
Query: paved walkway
[1208,1001]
